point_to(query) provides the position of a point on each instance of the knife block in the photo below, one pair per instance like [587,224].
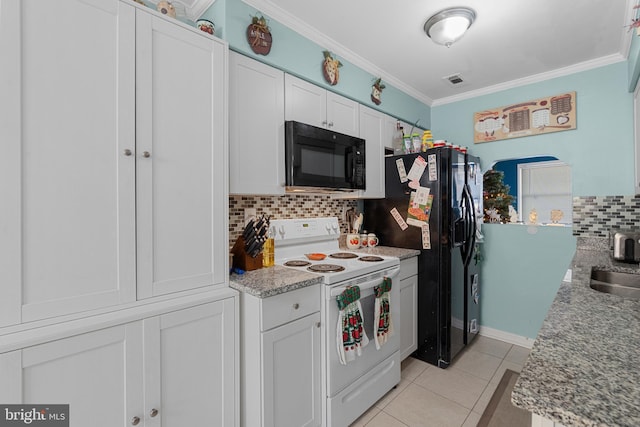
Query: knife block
[242,260]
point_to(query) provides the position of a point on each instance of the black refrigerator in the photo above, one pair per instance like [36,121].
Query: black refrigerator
[433,203]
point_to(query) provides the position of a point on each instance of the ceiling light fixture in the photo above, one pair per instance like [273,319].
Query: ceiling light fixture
[449,25]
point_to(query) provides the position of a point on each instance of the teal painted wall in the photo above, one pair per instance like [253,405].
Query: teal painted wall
[601,144]
[522,272]
[301,57]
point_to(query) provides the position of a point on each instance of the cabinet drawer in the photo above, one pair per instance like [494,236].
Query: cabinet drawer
[408,267]
[283,308]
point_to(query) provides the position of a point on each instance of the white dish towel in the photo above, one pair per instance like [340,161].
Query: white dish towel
[383,322]
[350,335]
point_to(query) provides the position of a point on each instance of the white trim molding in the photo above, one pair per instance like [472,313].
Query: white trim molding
[506,337]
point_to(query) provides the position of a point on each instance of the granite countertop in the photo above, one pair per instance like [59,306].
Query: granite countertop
[584,367]
[266,282]
[269,281]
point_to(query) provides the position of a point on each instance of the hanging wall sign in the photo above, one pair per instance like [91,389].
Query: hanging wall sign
[376,91]
[537,117]
[331,68]
[259,36]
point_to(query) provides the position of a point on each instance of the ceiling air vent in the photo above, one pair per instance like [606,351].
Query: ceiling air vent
[454,79]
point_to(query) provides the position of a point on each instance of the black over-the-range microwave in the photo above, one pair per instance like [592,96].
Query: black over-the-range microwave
[321,159]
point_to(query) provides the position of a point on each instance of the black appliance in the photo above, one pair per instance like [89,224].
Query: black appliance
[434,204]
[323,159]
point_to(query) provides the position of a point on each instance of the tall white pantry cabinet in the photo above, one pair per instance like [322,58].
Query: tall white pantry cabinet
[113,236]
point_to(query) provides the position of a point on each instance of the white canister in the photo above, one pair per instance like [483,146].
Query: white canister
[353,241]
[372,240]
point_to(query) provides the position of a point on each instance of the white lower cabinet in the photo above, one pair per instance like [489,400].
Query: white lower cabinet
[408,306]
[173,369]
[281,359]
[99,374]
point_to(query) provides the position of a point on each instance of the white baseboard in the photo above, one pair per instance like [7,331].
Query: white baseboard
[506,337]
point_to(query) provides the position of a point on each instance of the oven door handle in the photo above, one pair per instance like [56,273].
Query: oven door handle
[367,287]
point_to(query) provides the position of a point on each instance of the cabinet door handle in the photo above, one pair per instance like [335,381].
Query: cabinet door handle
[330,124]
[146,154]
[135,421]
[153,412]
[318,324]
[324,122]
[296,306]
[127,152]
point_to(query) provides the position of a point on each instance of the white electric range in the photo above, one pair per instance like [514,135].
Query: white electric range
[348,390]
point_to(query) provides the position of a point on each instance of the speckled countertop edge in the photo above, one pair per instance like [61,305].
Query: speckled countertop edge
[270,281]
[266,282]
[584,367]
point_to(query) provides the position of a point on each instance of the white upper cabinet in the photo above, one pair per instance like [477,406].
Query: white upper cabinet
[313,105]
[67,115]
[342,114]
[373,129]
[113,174]
[181,158]
[256,127]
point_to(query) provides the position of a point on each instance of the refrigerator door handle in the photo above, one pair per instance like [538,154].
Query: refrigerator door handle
[469,226]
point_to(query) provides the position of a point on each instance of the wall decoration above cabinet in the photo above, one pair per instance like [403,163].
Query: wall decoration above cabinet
[530,118]
[331,68]
[166,8]
[376,91]
[182,9]
[259,36]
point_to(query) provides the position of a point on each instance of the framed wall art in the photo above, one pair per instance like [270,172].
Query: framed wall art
[545,115]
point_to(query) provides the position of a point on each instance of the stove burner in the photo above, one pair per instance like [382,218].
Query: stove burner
[343,255]
[297,263]
[326,268]
[370,258]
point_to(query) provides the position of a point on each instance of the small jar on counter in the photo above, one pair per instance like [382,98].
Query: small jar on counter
[268,250]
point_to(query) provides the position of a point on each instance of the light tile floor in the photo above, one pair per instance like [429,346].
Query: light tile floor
[428,396]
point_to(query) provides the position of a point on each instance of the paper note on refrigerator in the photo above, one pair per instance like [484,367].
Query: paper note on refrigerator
[426,237]
[401,170]
[418,213]
[433,167]
[421,197]
[417,169]
[396,215]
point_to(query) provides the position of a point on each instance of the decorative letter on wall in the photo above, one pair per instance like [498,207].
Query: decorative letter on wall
[544,115]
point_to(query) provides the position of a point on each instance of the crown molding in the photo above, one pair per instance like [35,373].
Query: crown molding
[285,18]
[313,34]
[536,78]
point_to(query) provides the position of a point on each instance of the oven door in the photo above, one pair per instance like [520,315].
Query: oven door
[320,158]
[340,376]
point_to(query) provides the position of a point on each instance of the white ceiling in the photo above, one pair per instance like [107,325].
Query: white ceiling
[512,42]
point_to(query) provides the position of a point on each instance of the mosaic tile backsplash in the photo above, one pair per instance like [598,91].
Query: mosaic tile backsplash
[595,216]
[285,207]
